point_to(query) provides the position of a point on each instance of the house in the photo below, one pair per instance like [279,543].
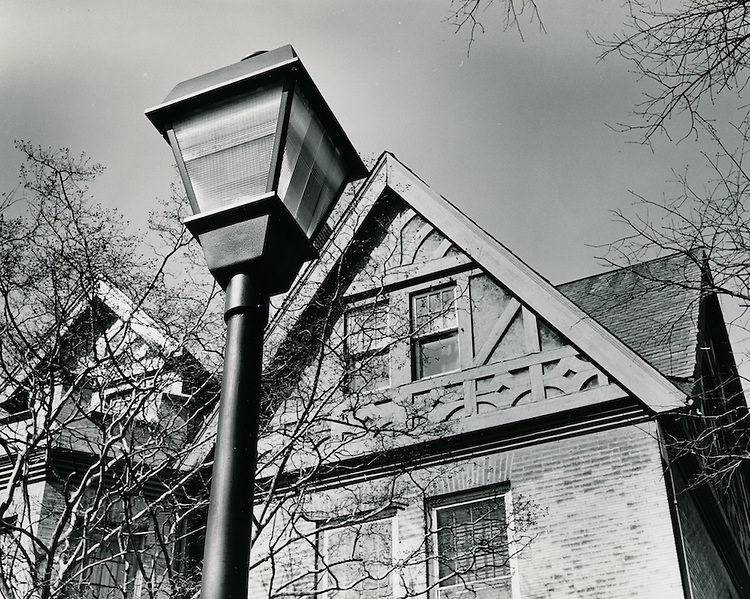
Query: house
[439,422]
[443,422]
[94,430]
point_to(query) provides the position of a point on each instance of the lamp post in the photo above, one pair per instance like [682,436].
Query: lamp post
[263,161]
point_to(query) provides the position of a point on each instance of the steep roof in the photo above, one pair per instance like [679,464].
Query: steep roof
[627,341]
[652,307]
[389,176]
[124,311]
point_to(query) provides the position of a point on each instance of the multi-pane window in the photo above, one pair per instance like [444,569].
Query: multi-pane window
[119,569]
[471,556]
[358,560]
[367,345]
[143,396]
[434,332]
[121,397]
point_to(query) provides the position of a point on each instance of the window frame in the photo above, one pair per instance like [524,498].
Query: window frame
[325,528]
[117,561]
[117,398]
[455,500]
[379,346]
[422,333]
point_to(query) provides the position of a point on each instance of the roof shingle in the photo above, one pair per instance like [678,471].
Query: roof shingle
[652,307]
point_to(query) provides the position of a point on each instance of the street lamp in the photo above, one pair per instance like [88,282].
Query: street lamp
[263,161]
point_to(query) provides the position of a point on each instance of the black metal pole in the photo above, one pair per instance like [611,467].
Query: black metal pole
[226,555]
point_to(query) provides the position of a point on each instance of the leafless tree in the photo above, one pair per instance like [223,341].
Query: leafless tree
[110,361]
[689,56]
[100,395]
[469,16]
[692,59]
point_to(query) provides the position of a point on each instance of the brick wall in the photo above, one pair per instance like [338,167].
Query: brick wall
[606,532]
[708,576]
[609,532]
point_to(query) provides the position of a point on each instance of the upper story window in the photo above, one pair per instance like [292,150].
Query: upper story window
[118,400]
[434,332]
[367,347]
[126,396]
[145,396]
[359,560]
[471,555]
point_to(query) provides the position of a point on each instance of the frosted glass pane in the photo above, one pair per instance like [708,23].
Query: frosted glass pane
[332,164]
[299,122]
[311,168]
[227,149]
[299,190]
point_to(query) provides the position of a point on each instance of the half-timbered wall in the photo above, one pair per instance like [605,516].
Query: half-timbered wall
[507,364]
[511,364]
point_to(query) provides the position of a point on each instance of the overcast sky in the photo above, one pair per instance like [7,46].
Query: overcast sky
[516,134]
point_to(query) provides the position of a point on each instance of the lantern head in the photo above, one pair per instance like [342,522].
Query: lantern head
[263,161]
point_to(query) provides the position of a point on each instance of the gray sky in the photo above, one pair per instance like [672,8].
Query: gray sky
[515,135]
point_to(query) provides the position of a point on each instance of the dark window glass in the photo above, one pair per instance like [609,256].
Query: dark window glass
[472,557]
[116,570]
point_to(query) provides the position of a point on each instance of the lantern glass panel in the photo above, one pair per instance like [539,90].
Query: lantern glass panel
[227,148]
[312,169]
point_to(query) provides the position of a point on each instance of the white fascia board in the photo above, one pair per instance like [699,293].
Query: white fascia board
[143,325]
